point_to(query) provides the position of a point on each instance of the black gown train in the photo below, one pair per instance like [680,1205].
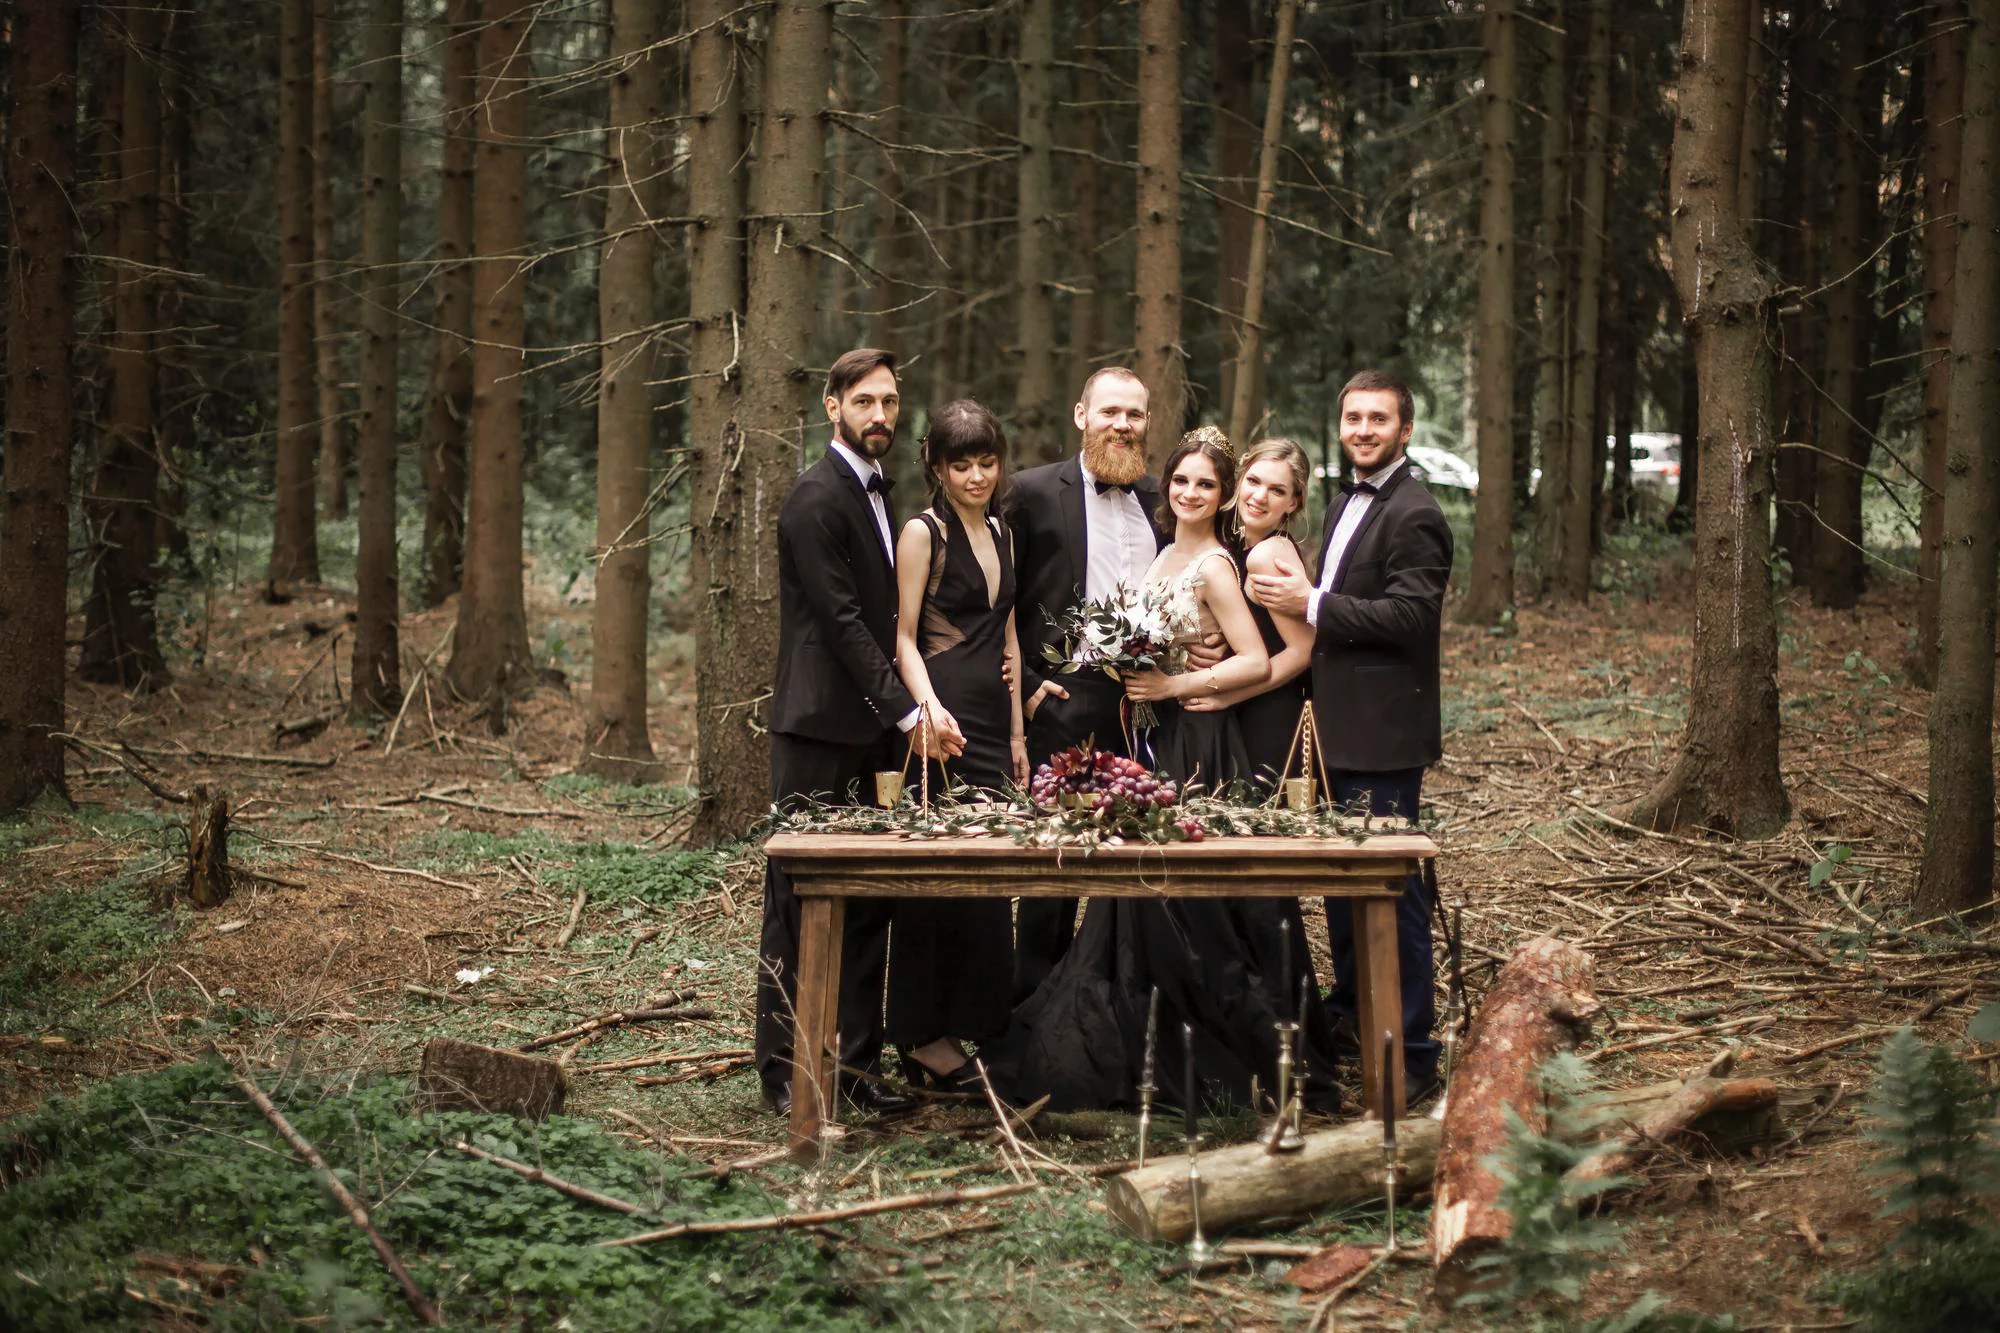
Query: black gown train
[951,961]
[1080,1038]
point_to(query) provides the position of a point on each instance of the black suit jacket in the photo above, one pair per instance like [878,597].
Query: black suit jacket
[1051,556]
[837,679]
[1375,652]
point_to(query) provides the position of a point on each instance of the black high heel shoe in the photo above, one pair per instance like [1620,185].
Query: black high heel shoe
[962,1081]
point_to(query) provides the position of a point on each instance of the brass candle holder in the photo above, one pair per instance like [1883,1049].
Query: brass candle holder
[888,788]
[1283,1134]
[1199,1251]
[1148,1085]
[1300,793]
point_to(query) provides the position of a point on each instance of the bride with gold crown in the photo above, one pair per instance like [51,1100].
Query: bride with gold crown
[1218,963]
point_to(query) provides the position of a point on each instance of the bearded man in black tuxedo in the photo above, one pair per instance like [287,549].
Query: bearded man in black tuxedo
[838,710]
[1376,614]
[1081,527]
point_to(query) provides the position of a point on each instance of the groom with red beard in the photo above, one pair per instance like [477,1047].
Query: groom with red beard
[1081,527]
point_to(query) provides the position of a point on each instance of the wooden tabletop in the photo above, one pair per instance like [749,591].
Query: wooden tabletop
[892,865]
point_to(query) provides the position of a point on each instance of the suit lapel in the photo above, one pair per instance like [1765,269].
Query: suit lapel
[1333,513]
[1360,535]
[1077,527]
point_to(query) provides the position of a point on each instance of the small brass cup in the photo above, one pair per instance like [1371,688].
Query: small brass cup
[888,788]
[1299,794]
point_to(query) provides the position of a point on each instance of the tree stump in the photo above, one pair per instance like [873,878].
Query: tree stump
[1540,1003]
[208,878]
[462,1076]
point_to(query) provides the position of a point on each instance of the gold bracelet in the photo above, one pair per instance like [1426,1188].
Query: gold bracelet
[1213,688]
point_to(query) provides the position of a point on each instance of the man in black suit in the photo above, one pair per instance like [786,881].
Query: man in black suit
[1376,613]
[1081,527]
[838,709]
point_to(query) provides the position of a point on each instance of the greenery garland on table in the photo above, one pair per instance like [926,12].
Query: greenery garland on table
[969,812]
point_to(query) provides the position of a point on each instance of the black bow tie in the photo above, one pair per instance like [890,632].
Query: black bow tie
[1365,487]
[1104,486]
[878,484]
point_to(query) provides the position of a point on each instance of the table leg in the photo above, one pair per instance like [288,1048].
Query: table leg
[1378,991]
[821,920]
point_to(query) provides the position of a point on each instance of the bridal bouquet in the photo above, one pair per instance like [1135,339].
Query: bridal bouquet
[1134,629]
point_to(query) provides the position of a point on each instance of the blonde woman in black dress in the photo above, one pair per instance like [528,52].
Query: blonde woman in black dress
[1270,490]
[951,962]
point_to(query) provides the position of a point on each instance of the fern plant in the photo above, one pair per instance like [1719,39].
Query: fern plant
[1933,1119]
[1548,1256]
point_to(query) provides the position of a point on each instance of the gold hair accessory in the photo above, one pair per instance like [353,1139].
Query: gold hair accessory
[1211,435]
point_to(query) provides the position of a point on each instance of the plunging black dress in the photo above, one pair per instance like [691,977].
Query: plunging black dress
[1080,1037]
[1269,720]
[951,961]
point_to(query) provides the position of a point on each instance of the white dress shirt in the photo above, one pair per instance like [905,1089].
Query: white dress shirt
[1118,539]
[863,469]
[1351,515]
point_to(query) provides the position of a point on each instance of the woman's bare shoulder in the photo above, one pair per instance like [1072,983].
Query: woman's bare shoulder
[1268,555]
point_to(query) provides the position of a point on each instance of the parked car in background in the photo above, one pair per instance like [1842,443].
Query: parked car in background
[1656,460]
[1440,467]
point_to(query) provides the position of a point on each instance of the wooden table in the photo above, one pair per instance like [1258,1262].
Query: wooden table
[829,868]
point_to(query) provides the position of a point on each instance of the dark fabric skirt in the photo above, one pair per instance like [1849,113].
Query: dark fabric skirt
[1267,724]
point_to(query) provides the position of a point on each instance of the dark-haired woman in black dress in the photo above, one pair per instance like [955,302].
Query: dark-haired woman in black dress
[951,962]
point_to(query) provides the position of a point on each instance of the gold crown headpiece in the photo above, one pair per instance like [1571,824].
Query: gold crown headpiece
[1211,435]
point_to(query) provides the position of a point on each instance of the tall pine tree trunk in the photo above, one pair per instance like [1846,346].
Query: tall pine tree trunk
[1836,568]
[1552,451]
[1800,242]
[1085,270]
[1235,119]
[1037,414]
[1585,440]
[1944,71]
[377,675]
[1957,873]
[294,527]
[616,744]
[733,502]
[325,298]
[489,655]
[1157,272]
[41,414]
[1491,590]
[1726,776]
[448,398]
[891,289]
[1249,346]
[120,636]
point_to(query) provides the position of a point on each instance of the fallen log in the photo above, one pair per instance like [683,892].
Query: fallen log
[1540,1003]
[1672,1116]
[463,1076]
[1151,1202]
[1337,1167]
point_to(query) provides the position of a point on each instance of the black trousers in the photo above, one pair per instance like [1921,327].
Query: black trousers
[1043,927]
[1393,793]
[801,767]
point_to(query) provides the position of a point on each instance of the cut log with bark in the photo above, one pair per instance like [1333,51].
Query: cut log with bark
[208,879]
[1337,1168]
[1539,1004]
[463,1076]
[1673,1117]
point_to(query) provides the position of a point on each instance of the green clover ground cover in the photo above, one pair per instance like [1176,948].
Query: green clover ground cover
[176,1162]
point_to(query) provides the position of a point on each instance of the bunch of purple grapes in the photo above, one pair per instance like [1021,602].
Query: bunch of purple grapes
[1108,779]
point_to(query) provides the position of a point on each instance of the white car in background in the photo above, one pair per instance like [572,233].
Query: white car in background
[1656,460]
[1441,467]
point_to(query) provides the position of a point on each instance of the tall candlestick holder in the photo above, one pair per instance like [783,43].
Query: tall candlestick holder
[1283,1134]
[1389,1137]
[1148,1083]
[1199,1251]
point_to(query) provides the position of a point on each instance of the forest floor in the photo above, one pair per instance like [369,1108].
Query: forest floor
[471,884]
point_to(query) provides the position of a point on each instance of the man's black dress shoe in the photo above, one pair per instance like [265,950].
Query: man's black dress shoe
[779,1099]
[873,1099]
